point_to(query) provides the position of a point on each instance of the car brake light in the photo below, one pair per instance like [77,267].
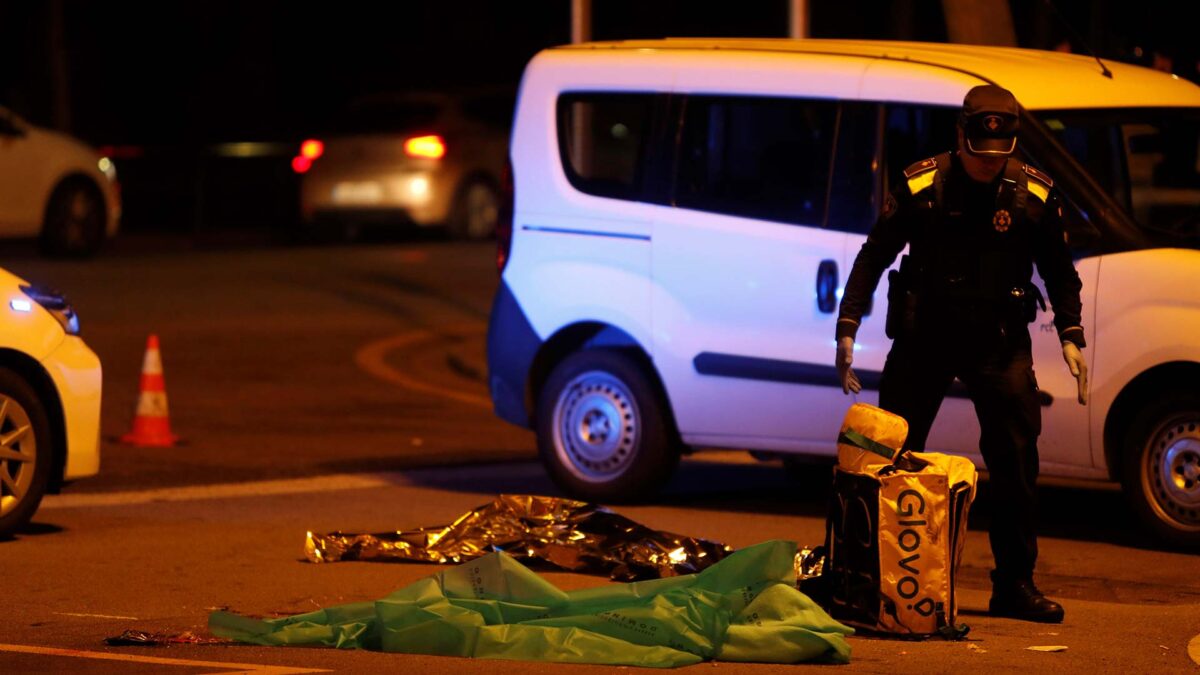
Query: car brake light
[312,149]
[505,224]
[430,146]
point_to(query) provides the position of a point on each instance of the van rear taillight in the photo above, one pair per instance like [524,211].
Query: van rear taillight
[505,224]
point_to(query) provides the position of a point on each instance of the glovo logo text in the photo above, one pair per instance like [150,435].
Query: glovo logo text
[910,506]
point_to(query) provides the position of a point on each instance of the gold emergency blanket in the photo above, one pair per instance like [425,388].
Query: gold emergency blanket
[570,535]
[896,529]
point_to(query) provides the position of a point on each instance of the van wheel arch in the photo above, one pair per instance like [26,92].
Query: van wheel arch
[1152,444]
[1127,404]
[591,335]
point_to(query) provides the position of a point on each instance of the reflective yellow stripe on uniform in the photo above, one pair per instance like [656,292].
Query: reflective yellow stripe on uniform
[921,181]
[1038,190]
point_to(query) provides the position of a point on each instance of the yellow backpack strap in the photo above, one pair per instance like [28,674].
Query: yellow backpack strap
[921,175]
[1039,183]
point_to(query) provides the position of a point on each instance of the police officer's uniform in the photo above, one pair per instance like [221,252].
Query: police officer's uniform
[961,308]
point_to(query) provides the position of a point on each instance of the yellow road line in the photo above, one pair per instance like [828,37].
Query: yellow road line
[372,358]
[135,658]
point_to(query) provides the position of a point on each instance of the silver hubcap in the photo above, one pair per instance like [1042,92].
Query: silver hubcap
[18,454]
[596,427]
[1172,470]
[483,210]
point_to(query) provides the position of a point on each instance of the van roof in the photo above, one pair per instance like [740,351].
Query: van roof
[1040,80]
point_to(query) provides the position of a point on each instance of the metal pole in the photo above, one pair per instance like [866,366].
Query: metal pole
[797,18]
[581,21]
[59,70]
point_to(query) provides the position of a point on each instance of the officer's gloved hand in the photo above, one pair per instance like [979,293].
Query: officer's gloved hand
[845,356]
[1078,366]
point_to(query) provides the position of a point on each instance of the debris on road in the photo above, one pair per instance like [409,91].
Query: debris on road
[744,608]
[570,535]
[141,638]
[1047,648]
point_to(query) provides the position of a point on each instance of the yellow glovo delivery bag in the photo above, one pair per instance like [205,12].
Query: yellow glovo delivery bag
[895,530]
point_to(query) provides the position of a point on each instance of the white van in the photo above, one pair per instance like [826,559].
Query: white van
[687,210]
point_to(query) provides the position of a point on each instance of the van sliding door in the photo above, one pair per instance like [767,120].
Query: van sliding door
[746,275]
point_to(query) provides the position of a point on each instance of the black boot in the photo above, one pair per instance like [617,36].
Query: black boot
[1022,600]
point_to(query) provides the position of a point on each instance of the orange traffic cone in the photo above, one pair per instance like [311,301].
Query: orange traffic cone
[150,425]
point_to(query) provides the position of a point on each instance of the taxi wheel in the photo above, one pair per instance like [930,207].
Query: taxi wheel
[476,210]
[1161,472]
[74,222]
[24,452]
[602,429]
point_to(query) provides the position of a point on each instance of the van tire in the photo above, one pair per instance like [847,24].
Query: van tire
[602,429]
[22,408]
[1161,467]
[74,223]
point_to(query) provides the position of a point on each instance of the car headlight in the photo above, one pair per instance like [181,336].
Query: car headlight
[54,302]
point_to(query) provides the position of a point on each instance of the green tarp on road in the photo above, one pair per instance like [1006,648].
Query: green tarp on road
[744,608]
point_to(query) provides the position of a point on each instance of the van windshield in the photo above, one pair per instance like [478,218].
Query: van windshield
[1148,159]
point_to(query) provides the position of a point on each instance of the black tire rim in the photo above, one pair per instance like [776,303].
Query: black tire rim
[596,427]
[18,454]
[1171,471]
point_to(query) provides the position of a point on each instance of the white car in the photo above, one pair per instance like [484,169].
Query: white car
[49,400]
[55,188]
[687,210]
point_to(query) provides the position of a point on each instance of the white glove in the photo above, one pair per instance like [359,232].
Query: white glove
[845,356]
[1078,366]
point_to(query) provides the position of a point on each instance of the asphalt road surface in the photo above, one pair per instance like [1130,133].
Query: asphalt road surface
[341,388]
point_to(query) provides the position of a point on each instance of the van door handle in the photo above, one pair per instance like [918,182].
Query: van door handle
[827,282]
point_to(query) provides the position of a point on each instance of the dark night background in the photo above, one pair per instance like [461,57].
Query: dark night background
[179,75]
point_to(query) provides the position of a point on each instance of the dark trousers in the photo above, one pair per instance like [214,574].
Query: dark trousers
[997,370]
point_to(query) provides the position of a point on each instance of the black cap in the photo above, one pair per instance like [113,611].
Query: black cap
[989,121]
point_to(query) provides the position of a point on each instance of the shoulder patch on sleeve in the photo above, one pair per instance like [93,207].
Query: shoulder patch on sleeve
[920,168]
[889,206]
[921,175]
[1039,175]
[1039,183]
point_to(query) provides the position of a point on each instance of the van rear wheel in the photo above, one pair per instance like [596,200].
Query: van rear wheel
[1161,472]
[602,430]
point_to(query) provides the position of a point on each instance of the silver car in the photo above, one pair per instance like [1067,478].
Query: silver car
[410,159]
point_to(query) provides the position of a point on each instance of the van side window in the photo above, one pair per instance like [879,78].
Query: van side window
[856,188]
[916,132]
[756,157]
[604,138]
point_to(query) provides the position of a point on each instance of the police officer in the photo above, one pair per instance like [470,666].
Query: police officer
[976,221]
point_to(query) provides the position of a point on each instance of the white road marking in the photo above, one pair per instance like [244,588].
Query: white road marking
[134,658]
[97,616]
[330,483]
